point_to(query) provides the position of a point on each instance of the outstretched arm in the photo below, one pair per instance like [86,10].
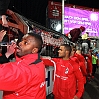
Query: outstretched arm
[3,8]
[10,50]
[47,61]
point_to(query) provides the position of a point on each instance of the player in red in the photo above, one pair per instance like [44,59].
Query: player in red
[67,75]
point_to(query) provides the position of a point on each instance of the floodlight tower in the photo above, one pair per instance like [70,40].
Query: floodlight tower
[63,3]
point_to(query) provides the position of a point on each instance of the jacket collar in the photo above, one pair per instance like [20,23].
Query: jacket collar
[26,57]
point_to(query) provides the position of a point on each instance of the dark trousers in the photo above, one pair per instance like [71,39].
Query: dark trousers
[94,69]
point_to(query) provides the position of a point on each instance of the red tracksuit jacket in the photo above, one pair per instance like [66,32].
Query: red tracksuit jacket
[82,65]
[89,63]
[23,80]
[67,77]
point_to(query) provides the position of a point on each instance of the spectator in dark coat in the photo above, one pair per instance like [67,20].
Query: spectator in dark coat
[75,33]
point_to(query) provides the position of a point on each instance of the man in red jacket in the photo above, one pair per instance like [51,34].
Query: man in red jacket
[89,64]
[79,58]
[82,64]
[68,76]
[24,78]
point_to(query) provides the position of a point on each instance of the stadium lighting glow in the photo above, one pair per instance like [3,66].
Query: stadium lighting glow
[58,27]
[94,17]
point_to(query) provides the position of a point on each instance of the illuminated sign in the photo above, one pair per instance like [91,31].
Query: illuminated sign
[74,18]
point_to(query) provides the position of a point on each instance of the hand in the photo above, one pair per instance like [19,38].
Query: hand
[10,49]
[46,57]
[75,97]
[2,34]
[4,21]
[90,74]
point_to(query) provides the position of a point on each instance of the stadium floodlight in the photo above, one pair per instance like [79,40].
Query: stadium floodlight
[63,1]
[58,27]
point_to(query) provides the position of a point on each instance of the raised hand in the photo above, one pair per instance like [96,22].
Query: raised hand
[4,21]
[10,49]
[75,97]
[2,34]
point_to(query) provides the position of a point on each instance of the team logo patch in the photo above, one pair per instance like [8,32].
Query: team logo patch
[67,70]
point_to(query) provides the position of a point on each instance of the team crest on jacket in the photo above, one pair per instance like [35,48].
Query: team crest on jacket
[67,70]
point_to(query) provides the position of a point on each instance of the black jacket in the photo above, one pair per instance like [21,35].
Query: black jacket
[4,6]
[3,59]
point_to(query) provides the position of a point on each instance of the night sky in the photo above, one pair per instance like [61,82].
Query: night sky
[36,9]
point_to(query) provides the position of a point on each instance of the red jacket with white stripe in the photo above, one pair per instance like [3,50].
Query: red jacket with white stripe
[23,80]
[67,78]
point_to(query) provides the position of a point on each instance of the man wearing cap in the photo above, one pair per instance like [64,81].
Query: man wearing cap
[74,34]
